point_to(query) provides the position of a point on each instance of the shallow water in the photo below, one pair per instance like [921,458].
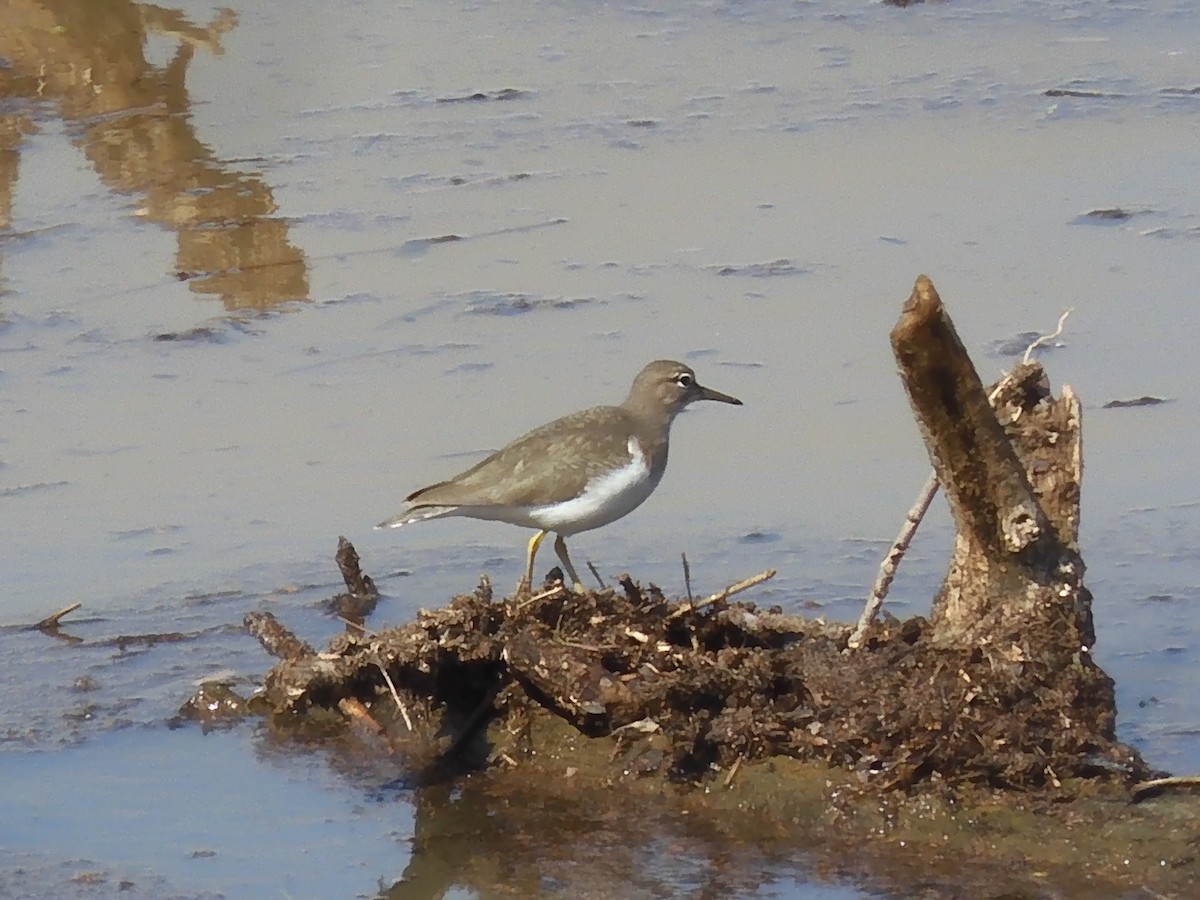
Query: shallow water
[231,329]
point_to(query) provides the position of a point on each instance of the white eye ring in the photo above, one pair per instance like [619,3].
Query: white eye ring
[683,379]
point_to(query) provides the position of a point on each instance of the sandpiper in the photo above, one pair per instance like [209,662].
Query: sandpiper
[576,473]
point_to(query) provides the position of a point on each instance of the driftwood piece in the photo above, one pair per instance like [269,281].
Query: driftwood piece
[1013,488]
[52,622]
[356,582]
[361,595]
[277,639]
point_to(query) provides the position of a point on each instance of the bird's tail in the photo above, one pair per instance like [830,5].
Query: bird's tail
[416,515]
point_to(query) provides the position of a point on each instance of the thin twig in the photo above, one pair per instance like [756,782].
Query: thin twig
[555,591]
[597,574]
[743,585]
[1046,338]
[358,626]
[590,648]
[1144,788]
[891,562]
[395,695]
[733,770]
[687,580]
[887,571]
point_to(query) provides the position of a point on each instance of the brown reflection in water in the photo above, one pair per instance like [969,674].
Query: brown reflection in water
[84,60]
[497,845]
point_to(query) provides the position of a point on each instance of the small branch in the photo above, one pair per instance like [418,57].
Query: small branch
[891,562]
[597,575]
[395,695]
[275,638]
[590,648]
[352,625]
[556,591]
[52,622]
[719,596]
[357,583]
[1144,789]
[1046,338]
[687,580]
[733,770]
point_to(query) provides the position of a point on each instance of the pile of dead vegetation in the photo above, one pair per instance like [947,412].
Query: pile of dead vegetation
[689,690]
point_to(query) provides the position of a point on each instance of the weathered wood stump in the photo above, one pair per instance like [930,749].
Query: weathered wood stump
[1011,471]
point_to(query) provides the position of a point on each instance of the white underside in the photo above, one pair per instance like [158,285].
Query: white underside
[604,499]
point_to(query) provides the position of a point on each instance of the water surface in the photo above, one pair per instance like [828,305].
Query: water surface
[262,273]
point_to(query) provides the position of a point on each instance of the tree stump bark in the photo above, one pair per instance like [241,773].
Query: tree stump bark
[1010,469]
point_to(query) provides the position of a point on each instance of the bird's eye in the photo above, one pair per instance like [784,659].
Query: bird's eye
[683,379]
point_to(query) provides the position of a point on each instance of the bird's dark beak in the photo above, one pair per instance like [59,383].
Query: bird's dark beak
[703,393]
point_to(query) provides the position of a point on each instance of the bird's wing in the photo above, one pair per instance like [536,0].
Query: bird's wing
[547,465]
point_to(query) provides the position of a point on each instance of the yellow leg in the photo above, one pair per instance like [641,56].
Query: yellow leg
[534,543]
[560,547]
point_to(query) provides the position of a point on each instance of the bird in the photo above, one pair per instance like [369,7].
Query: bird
[582,471]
